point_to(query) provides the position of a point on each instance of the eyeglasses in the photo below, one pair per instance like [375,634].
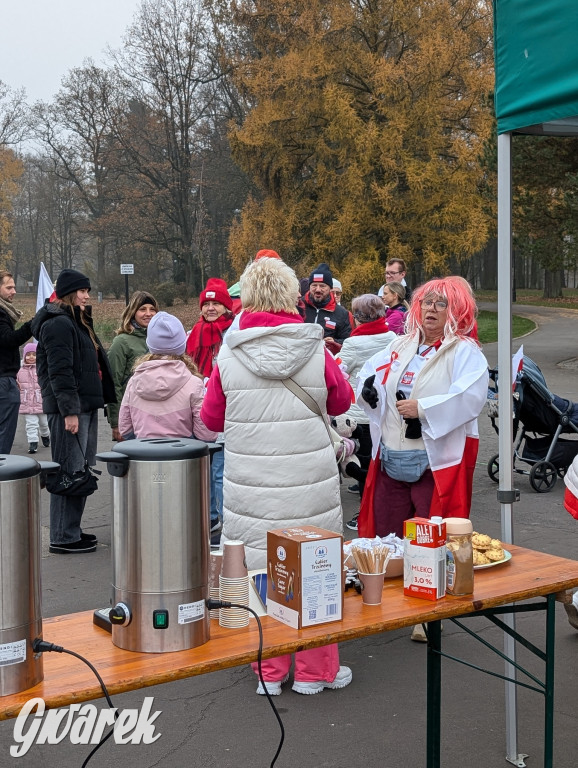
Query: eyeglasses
[439,306]
[391,274]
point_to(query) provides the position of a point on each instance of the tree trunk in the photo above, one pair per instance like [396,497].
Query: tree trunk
[553,281]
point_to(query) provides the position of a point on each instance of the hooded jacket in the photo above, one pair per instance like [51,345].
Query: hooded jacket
[30,394]
[280,467]
[163,399]
[73,377]
[355,352]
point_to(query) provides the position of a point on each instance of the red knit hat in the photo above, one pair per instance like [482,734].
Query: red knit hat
[267,254]
[216,290]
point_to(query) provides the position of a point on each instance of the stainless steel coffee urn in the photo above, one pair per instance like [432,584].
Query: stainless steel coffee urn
[20,552]
[160,543]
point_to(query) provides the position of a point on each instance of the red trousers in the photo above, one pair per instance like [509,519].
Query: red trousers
[395,501]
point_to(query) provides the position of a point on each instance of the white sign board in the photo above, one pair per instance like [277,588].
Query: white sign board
[127,269]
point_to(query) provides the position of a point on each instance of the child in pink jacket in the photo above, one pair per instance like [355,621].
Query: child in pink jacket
[31,400]
[163,398]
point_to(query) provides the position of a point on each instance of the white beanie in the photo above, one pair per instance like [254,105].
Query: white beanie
[166,335]
[336,285]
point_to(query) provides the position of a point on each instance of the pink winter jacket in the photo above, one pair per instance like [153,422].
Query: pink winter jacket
[163,399]
[30,394]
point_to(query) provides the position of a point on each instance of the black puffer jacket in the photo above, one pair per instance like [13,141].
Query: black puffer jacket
[10,340]
[69,369]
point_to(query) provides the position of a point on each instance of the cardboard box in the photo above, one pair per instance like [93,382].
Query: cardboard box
[424,558]
[304,576]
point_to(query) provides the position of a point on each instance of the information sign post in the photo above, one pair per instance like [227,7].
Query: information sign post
[126,270]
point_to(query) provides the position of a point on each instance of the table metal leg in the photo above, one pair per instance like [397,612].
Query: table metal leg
[549,682]
[434,695]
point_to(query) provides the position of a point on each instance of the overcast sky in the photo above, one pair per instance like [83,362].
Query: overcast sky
[40,40]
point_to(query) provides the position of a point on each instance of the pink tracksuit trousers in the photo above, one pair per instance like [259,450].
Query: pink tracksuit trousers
[310,666]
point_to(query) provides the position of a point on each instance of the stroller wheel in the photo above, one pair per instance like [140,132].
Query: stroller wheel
[543,476]
[562,471]
[494,468]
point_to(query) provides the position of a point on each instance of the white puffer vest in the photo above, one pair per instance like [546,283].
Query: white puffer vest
[280,467]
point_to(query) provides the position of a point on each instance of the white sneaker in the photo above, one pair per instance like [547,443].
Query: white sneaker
[572,613]
[274,688]
[418,634]
[342,678]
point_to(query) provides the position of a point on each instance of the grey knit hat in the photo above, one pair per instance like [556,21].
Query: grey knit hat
[166,335]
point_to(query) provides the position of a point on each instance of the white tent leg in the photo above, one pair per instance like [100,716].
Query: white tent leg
[506,437]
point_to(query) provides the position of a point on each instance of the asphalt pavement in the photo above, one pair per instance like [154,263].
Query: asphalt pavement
[217,720]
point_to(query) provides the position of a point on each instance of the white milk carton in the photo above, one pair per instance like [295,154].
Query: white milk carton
[424,558]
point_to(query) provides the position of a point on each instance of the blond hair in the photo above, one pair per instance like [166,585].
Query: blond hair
[184,358]
[269,285]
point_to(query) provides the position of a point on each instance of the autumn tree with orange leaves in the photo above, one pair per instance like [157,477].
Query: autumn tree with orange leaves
[10,171]
[365,124]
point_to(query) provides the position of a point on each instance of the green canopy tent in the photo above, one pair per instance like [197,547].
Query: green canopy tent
[536,92]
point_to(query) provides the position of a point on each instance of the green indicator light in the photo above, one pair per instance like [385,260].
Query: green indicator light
[160,619]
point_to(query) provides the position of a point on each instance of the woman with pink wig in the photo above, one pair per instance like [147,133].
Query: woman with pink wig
[423,395]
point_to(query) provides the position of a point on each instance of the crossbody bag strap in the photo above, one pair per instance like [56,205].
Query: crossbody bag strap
[306,398]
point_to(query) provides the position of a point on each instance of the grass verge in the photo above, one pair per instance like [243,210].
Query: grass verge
[488,326]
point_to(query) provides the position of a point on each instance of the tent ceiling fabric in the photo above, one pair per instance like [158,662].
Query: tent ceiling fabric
[536,59]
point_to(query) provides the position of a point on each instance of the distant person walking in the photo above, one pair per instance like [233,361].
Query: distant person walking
[10,341]
[35,419]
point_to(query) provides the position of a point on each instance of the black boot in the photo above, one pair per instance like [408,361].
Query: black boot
[46,441]
[32,447]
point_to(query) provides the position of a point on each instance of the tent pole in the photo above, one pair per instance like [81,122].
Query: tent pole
[505,423]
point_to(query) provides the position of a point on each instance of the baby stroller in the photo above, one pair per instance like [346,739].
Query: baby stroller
[546,416]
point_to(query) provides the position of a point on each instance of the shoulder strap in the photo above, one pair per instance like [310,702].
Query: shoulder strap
[306,398]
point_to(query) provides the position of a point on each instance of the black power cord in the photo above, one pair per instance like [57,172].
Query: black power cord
[213,605]
[41,646]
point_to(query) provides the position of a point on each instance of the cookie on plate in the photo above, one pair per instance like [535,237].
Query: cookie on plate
[480,558]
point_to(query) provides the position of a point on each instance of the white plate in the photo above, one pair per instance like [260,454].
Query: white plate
[491,565]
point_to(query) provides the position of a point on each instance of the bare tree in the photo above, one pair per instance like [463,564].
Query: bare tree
[13,115]
[167,66]
[78,129]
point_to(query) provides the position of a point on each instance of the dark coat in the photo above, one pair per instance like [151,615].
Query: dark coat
[69,369]
[333,318]
[10,341]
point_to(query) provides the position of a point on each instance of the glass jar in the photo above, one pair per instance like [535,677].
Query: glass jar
[459,556]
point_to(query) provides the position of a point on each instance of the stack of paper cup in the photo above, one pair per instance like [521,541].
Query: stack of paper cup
[234,585]
[215,565]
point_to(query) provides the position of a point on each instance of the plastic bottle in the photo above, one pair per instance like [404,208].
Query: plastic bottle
[459,556]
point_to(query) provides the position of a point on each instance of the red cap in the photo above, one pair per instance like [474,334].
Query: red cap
[267,254]
[216,290]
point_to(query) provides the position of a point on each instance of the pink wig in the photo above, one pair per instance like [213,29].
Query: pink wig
[462,309]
